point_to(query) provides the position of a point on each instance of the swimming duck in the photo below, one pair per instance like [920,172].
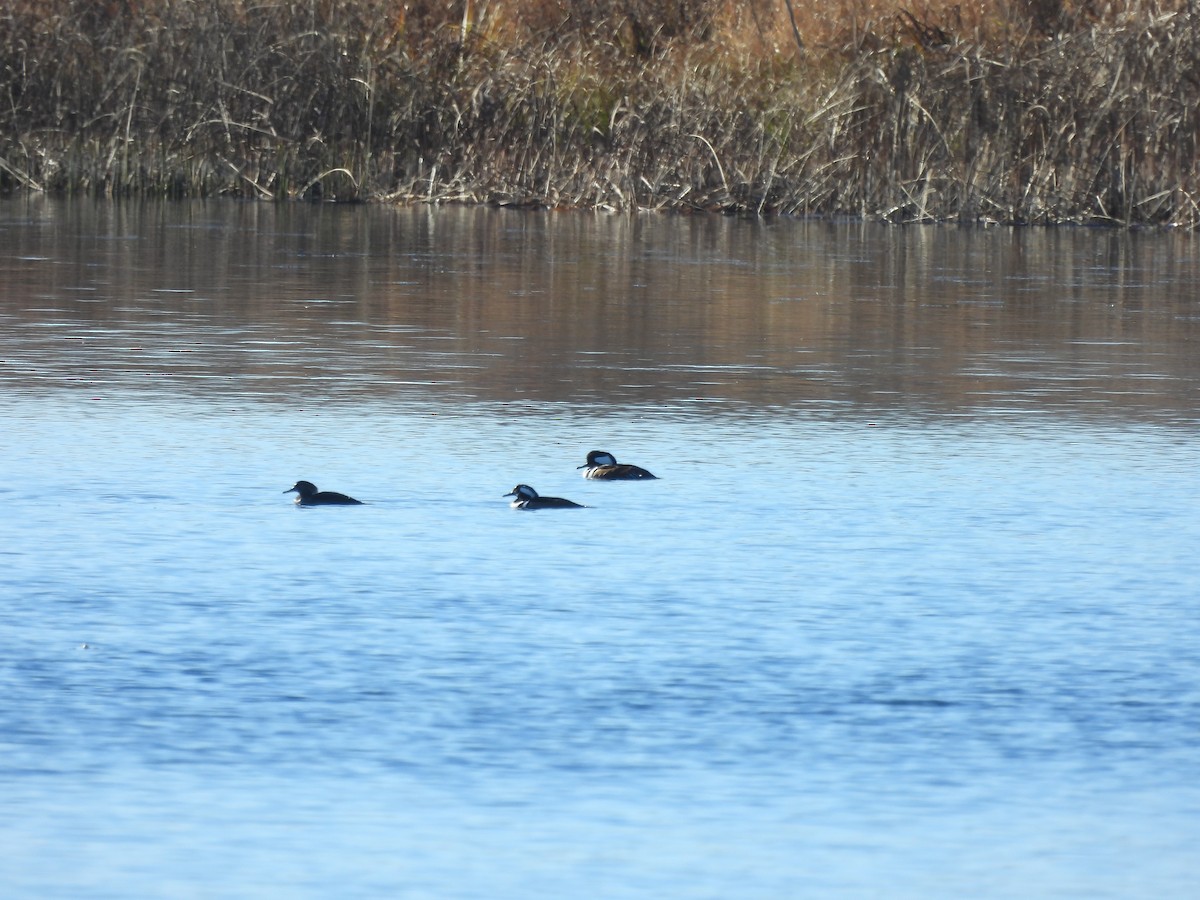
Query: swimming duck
[528,498]
[308,495]
[604,465]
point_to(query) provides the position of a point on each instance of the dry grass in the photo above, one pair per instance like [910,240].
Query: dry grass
[1031,111]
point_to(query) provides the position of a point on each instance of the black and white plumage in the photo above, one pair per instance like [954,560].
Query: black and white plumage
[527,498]
[603,465]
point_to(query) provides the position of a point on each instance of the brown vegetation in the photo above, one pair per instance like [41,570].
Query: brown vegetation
[1033,111]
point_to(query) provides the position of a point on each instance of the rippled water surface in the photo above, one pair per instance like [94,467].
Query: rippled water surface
[911,611]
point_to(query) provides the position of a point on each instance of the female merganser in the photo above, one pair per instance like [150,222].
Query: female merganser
[308,495]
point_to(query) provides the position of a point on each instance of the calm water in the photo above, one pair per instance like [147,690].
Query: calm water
[911,613]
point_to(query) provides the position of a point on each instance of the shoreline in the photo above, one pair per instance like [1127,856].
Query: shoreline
[912,123]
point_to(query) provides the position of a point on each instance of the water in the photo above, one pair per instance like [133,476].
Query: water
[911,611]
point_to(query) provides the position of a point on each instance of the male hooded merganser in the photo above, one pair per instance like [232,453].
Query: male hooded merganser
[604,465]
[308,495]
[527,498]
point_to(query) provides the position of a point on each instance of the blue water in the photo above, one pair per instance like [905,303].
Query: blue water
[837,650]
[914,660]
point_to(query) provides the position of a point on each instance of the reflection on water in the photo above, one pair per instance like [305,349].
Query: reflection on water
[909,613]
[335,302]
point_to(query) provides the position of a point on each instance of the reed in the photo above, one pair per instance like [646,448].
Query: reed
[1022,111]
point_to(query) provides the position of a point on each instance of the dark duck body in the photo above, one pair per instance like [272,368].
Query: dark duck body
[308,495]
[605,466]
[528,498]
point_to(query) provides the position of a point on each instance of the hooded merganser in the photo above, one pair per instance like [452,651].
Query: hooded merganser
[308,495]
[604,465]
[527,498]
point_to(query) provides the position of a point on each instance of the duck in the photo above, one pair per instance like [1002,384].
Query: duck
[528,498]
[604,465]
[308,495]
